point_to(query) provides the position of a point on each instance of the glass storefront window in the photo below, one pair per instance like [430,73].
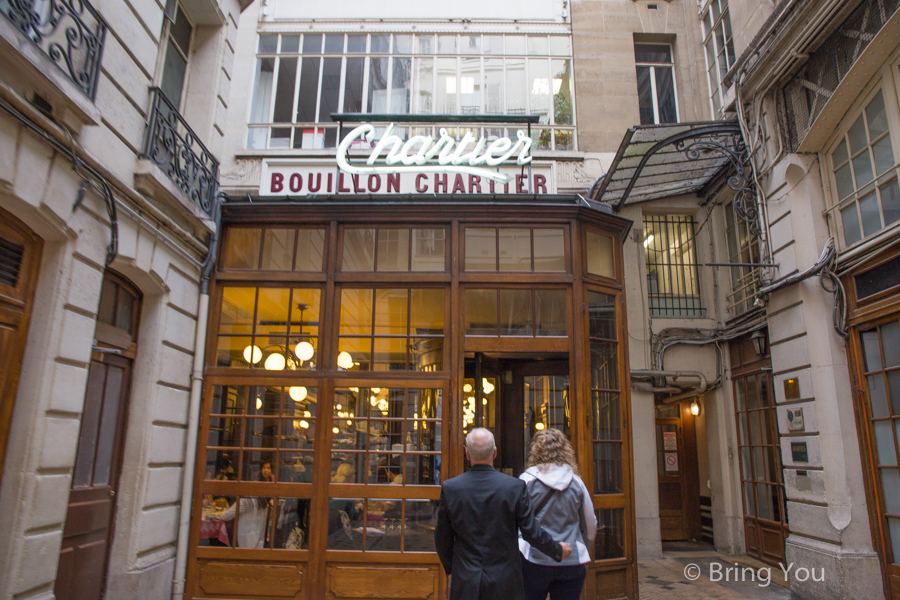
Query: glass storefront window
[516,312]
[394,249]
[274,249]
[509,249]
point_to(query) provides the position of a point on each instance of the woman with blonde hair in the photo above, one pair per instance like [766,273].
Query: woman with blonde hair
[563,505]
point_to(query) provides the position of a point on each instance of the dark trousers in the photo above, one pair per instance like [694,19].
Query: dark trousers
[562,583]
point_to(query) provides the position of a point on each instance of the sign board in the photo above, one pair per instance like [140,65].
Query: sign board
[799,452]
[670,440]
[671,460]
[795,419]
[297,177]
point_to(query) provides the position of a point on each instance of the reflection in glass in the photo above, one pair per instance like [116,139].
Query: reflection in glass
[346,523]
[359,250]
[242,249]
[419,520]
[481,249]
[213,530]
[546,406]
[550,312]
[481,312]
[428,248]
[610,541]
[602,315]
[516,312]
[607,467]
[599,255]
[515,249]
[292,524]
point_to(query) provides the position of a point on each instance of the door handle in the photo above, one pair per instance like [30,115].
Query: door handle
[112,493]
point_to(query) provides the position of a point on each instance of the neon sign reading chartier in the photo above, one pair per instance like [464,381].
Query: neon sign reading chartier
[449,159]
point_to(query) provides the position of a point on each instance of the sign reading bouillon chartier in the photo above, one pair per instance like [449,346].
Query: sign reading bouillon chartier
[418,165]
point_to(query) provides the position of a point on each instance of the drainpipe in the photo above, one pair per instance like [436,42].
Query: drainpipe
[702,383]
[187,485]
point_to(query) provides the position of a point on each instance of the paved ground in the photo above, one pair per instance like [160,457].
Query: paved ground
[697,572]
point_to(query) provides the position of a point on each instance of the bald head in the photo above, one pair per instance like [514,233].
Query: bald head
[480,446]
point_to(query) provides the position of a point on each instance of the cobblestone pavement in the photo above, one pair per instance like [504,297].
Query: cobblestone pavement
[667,578]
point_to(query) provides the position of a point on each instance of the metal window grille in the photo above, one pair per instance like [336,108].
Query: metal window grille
[742,248]
[673,282]
[806,94]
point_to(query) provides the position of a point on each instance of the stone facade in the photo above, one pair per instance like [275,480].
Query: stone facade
[160,250]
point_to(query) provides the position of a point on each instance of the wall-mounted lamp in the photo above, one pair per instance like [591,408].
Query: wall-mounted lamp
[758,339]
[695,408]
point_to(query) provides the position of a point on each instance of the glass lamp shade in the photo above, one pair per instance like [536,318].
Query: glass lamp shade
[695,408]
[539,426]
[304,350]
[467,388]
[344,360]
[275,362]
[252,354]
[298,393]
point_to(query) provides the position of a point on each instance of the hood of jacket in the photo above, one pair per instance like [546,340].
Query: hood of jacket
[555,476]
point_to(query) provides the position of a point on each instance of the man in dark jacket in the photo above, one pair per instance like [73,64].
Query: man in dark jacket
[477,530]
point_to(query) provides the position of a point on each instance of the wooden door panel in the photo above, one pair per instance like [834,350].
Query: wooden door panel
[389,581]
[258,580]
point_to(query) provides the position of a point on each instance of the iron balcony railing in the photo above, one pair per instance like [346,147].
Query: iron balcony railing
[175,148]
[69,32]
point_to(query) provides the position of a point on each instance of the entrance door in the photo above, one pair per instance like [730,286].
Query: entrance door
[519,398]
[762,487]
[89,521]
[20,253]
[677,470]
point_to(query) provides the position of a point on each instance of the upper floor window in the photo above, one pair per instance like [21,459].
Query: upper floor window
[719,49]
[656,83]
[178,33]
[301,79]
[672,276]
[864,172]
[742,248]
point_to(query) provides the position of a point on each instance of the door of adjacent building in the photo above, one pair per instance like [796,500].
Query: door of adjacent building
[87,535]
[762,484]
[20,254]
[677,470]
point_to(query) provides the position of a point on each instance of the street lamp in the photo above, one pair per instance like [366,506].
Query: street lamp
[758,339]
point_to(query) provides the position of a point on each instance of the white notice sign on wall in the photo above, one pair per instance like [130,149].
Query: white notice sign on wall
[671,462]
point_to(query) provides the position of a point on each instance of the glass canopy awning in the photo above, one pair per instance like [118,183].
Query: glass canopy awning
[659,161]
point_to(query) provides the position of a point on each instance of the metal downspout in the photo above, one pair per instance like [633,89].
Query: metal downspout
[187,486]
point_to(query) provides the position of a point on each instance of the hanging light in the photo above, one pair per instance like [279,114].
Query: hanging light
[344,360]
[695,408]
[467,388]
[487,386]
[539,426]
[484,401]
[335,430]
[758,339]
[354,390]
[306,413]
[298,393]
[304,350]
[275,362]
[252,354]
[376,390]
[258,403]
[304,425]
[373,400]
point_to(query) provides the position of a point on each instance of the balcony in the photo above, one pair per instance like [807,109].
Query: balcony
[174,148]
[68,32]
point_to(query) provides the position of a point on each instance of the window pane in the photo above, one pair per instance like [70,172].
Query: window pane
[391,311]
[312,43]
[876,116]
[425,44]
[562,92]
[331,87]
[610,541]
[309,89]
[278,250]
[862,168]
[390,354]
[426,311]
[310,245]
[284,94]
[890,338]
[481,249]
[857,136]
[493,85]
[550,310]
[850,222]
[539,88]
[334,43]
[871,219]
[242,249]
[470,44]
[607,424]
[645,96]
[353,85]
[378,84]
[262,97]
[359,250]
[267,44]
[356,44]
[356,312]
[607,468]
[602,315]
[492,44]
[428,249]
[401,86]
[515,44]
[481,312]
[652,53]
[560,45]
[345,522]
[356,351]
[604,365]
[393,249]
[424,74]
[894,527]
[470,86]
[890,201]
[872,350]
[884,441]
[515,249]
[665,94]
[549,250]
[446,92]
[599,255]
[890,482]
[516,312]
[446,44]
[844,179]
[290,44]
[403,44]
[515,85]
[537,45]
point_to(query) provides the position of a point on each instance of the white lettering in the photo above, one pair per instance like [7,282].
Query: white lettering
[449,160]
